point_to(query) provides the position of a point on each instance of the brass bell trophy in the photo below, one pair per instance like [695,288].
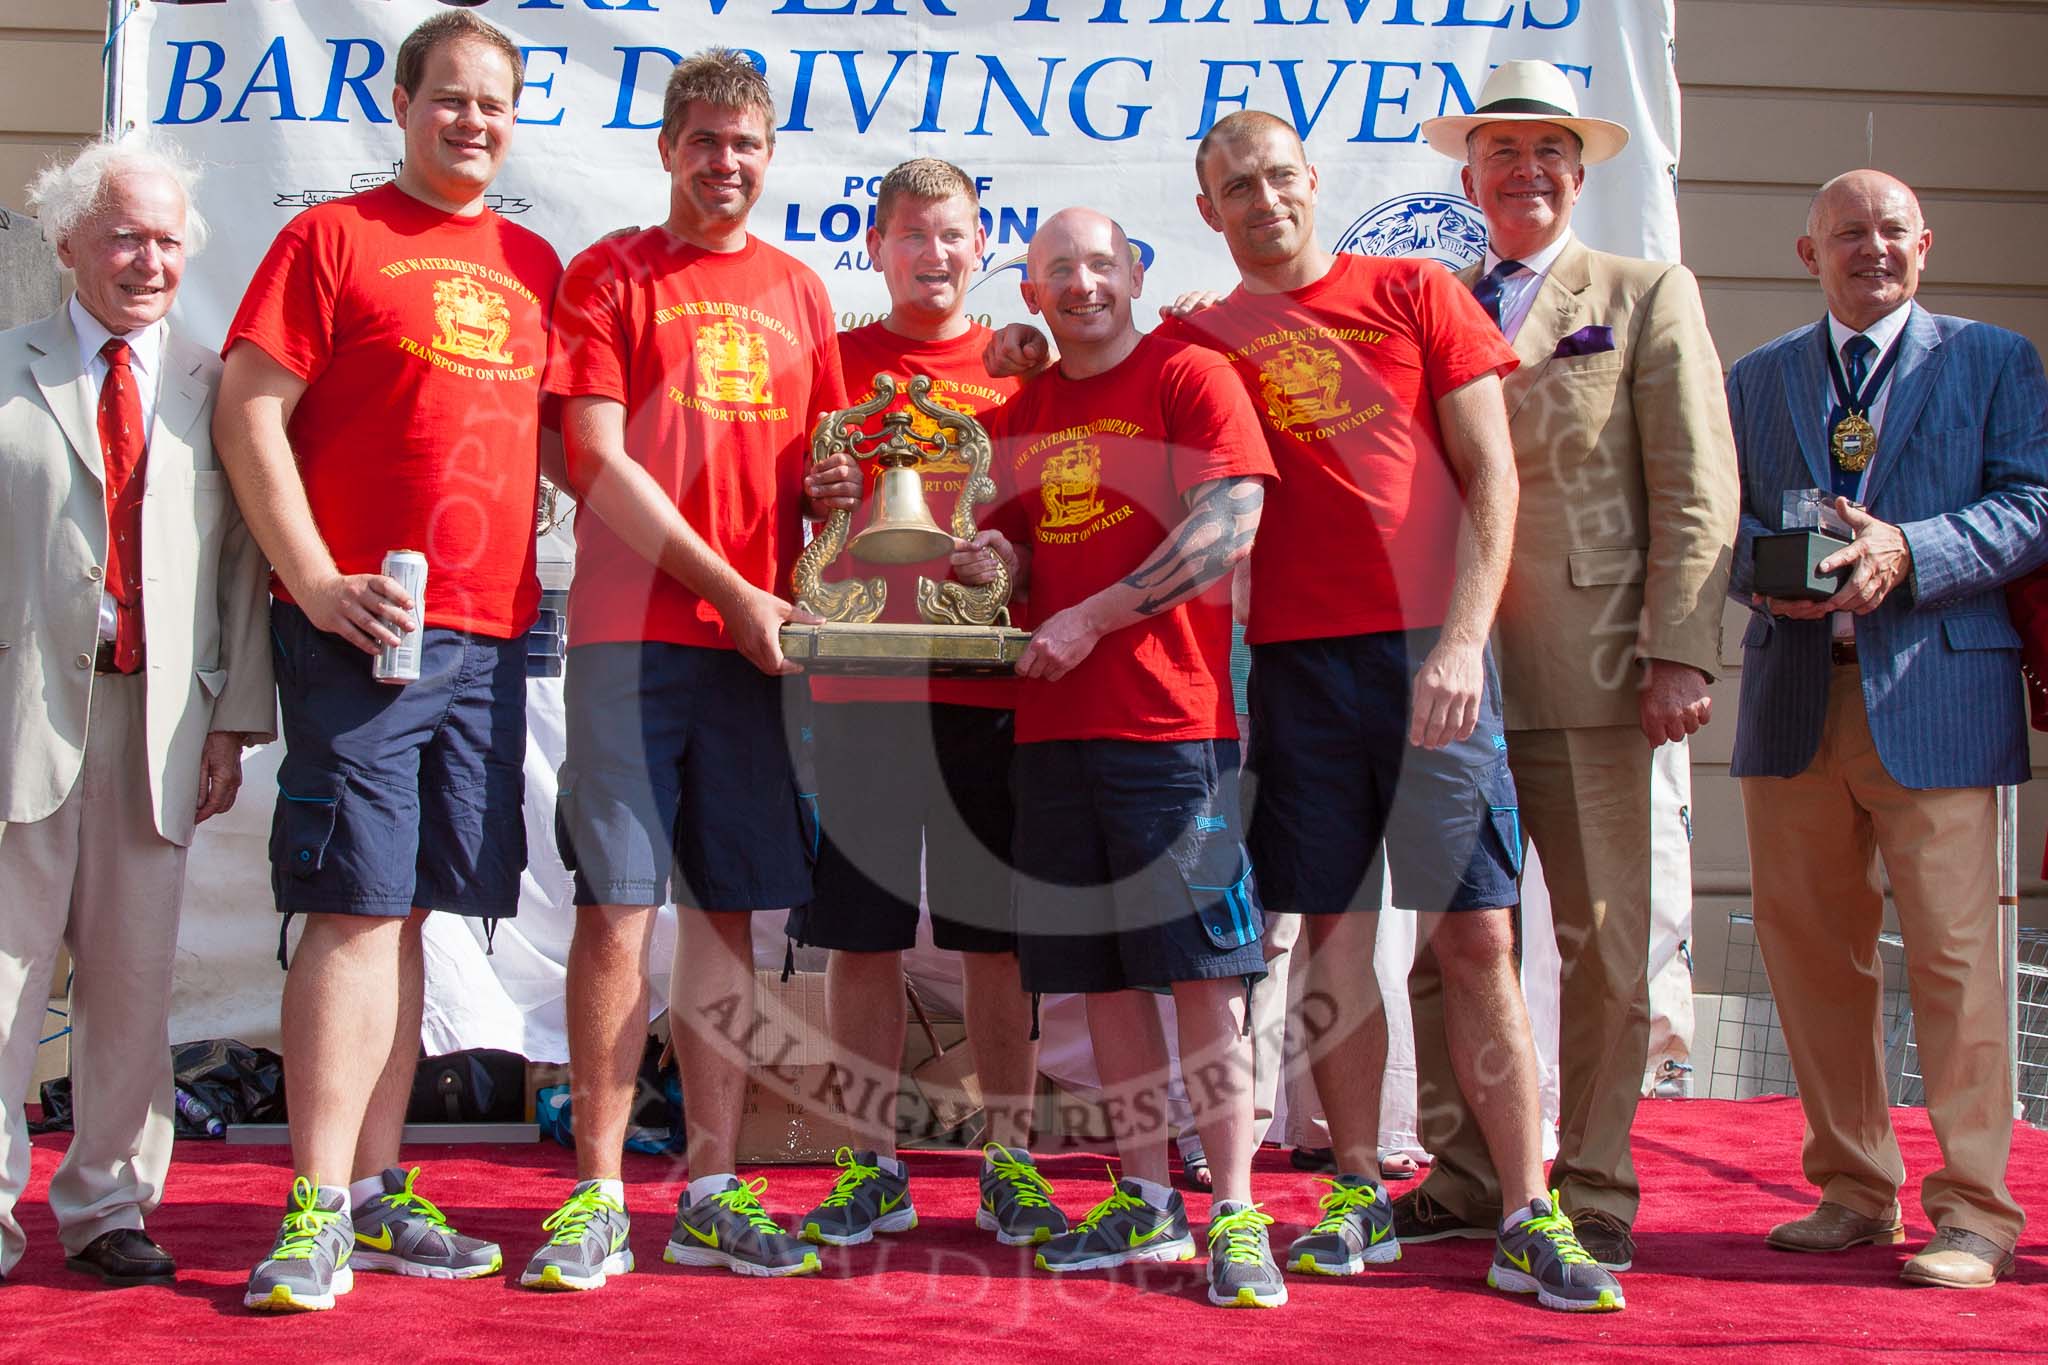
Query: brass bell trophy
[962,629]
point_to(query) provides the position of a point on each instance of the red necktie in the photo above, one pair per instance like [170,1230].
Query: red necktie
[124,446]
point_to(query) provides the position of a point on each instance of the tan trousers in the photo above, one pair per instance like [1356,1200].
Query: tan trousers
[97,877]
[1813,844]
[1585,805]
[1279,1052]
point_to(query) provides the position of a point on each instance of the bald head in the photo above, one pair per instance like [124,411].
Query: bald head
[1073,229]
[1083,276]
[1866,243]
[1853,188]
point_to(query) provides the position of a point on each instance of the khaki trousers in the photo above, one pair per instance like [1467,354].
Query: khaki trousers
[97,877]
[1279,1051]
[1814,841]
[1585,805]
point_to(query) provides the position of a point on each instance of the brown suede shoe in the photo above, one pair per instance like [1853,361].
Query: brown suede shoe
[1832,1227]
[1958,1259]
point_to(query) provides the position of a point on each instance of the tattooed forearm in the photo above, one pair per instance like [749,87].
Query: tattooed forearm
[1216,533]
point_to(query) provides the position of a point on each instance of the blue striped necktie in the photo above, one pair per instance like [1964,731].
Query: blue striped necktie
[1856,354]
[1492,285]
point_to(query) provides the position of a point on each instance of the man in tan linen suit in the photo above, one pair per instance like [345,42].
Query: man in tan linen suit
[130,678]
[1608,632]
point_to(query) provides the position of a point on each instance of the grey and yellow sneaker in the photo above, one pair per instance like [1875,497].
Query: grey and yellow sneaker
[1356,1229]
[588,1244]
[1541,1255]
[730,1228]
[1121,1229]
[1016,1201]
[400,1231]
[1242,1273]
[308,1267]
[864,1201]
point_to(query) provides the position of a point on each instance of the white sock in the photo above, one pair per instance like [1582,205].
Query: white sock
[1158,1196]
[614,1190]
[327,1194]
[364,1190]
[1517,1218]
[893,1165]
[703,1187]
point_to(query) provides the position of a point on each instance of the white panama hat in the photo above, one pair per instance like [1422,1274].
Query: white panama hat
[1527,92]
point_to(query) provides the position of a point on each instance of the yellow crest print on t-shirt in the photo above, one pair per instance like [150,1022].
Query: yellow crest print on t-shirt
[1300,384]
[732,364]
[1070,485]
[471,321]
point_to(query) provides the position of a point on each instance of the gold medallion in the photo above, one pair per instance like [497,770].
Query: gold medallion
[1854,441]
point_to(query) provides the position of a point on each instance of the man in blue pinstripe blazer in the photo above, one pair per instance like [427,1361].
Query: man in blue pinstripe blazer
[1879,721]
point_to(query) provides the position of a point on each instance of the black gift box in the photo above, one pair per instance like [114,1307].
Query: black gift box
[1787,565]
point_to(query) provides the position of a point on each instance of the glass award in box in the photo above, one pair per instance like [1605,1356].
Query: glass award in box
[962,628]
[1788,563]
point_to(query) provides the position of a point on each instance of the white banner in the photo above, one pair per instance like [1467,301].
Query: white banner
[1047,103]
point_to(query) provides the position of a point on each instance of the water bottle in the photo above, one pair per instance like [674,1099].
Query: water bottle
[197,1112]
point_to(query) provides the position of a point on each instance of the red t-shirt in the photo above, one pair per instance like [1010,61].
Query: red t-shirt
[421,336]
[1092,472]
[1360,534]
[724,362]
[960,383]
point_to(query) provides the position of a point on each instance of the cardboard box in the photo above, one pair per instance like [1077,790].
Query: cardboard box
[794,1111]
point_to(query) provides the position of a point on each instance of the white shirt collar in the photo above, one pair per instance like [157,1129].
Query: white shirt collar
[1881,333]
[1538,264]
[146,347]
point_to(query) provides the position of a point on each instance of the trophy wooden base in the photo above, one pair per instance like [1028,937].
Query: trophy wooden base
[879,649]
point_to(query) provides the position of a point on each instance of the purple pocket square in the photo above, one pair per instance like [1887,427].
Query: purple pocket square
[1594,340]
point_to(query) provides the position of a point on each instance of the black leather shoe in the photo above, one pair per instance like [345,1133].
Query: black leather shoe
[1419,1218]
[1605,1238]
[1321,1160]
[125,1257]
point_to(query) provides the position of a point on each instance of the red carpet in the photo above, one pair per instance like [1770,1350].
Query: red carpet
[1718,1174]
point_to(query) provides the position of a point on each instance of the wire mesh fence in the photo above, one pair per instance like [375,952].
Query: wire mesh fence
[1749,1044]
[2031,1039]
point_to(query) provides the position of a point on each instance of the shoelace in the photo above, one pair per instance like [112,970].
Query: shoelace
[1341,1200]
[572,1220]
[1557,1229]
[850,1180]
[406,1198]
[1117,1200]
[744,1199]
[302,1223]
[1243,1234]
[1030,1189]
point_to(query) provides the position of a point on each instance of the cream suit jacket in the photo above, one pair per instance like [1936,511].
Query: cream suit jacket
[1629,502]
[205,597]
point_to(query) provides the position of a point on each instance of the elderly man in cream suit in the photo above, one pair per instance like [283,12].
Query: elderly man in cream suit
[1609,628]
[134,665]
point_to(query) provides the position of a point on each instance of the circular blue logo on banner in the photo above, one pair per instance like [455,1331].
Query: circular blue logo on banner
[1446,228]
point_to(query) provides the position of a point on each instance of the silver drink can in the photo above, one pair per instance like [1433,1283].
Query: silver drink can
[400,663]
